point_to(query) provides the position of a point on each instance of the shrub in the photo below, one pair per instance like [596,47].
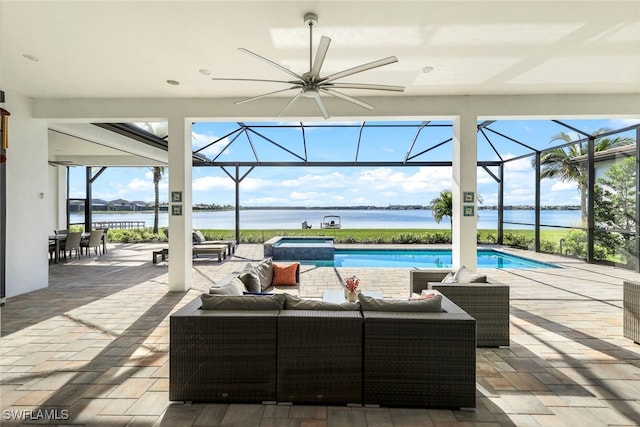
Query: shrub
[491,238]
[518,241]
[548,247]
[575,243]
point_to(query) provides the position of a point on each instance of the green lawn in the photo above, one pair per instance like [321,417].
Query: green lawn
[518,238]
[380,235]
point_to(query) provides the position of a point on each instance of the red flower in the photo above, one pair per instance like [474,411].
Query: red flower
[352,283]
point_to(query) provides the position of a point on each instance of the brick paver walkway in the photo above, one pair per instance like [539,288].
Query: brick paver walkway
[92,349]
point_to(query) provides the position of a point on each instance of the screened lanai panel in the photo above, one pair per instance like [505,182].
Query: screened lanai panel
[282,143]
[488,197]
[390,140]
[615,210]
[519,192]
[212,138]
[433,143]
[332,143]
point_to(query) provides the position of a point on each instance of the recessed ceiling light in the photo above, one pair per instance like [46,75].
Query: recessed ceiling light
[173,82]
[31,57]
[204,71]
[426,70]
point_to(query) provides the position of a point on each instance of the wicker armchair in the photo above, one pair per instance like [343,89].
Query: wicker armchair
[631,310]
[488,303]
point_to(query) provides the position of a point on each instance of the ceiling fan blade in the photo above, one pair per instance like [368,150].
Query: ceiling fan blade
[257,80]
[360,68]
[268,61]
[265,94]
[364,86]
[323,109]
[321,53]
[347,98]
[290,103]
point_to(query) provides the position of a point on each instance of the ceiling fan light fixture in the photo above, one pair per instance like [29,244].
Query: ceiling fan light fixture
[310,92]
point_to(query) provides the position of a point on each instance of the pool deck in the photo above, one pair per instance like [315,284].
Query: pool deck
[95,342]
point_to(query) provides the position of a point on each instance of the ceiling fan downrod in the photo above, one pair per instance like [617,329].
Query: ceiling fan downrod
[310,19]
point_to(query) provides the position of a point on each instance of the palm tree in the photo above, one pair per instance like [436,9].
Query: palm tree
[559,163]
[442,206]
[159,130]
[158,171]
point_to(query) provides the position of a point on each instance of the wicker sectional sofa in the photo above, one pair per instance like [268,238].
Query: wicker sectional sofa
[487,302]
[315,352]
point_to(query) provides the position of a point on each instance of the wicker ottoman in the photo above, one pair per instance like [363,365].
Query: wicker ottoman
[631,310]
[320,357]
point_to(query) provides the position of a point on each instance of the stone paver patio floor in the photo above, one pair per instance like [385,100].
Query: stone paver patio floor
[92,349]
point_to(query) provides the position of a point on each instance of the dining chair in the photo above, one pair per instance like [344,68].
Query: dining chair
[72,243]
[94,241]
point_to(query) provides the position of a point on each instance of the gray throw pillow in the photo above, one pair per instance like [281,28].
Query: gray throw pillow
[250,278]
[294,303]
[234,287]
[431,305]
[448,279]
[243,302]
[265,272]
[464,275]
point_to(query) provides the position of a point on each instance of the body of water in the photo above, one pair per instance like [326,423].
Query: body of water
[282,219]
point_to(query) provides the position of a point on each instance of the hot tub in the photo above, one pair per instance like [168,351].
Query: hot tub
[292,248]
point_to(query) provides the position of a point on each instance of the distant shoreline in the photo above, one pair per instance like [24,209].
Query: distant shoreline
[202,208]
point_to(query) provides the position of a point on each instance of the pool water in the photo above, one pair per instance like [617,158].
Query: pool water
[423,258]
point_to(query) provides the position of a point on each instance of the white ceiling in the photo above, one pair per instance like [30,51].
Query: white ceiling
[130,48]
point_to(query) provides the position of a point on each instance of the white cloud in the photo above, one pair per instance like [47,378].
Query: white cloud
[564,185]
[320,181]
[523,164]
[137,184]
[199,140]
[212,183]
[424,180]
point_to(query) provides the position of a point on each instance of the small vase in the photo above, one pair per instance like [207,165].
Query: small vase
[352,296]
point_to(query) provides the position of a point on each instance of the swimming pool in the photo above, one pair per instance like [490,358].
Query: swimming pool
[423,258]
[300,248]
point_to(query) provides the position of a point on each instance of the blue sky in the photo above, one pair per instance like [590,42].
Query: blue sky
[347,186]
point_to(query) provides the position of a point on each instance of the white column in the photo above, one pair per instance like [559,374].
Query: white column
[180,161]
[60,195]
[465,159]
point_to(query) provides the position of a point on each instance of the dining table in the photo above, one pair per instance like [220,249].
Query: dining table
[57,238]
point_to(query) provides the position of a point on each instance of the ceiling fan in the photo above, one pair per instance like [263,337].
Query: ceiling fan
[311,84]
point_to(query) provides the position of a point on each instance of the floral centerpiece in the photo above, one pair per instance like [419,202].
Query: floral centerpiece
[351,286]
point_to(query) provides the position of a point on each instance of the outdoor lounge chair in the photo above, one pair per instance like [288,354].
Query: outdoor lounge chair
[220,250]
[199,239]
